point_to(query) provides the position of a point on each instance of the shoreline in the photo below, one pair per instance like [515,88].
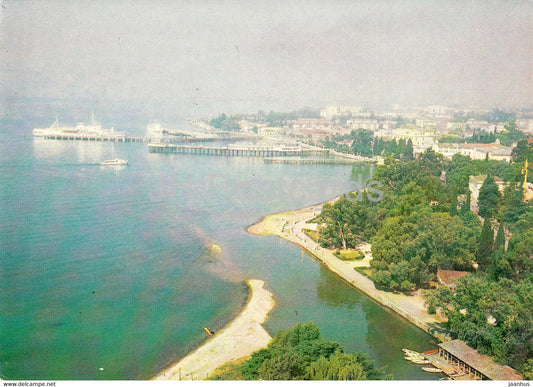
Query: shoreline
[241,337]
[288,225]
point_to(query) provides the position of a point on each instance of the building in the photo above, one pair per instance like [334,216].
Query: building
[334,111]
[475,151]
[421,139]
[469,361]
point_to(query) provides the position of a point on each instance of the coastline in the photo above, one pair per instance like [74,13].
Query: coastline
[288,225]
[241,337]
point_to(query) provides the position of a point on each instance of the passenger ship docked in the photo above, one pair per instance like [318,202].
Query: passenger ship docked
[92,130]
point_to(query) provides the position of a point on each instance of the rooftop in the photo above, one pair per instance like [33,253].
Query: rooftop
[481,363]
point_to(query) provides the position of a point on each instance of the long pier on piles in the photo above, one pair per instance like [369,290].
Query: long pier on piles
[93,137]
[304,160]
[252,151]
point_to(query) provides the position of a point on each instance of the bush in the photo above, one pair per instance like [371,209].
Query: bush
[349,255]
[301,353]
[314,235]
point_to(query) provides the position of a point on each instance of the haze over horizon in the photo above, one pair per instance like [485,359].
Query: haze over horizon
[209,57]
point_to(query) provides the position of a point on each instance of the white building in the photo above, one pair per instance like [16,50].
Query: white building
[474,151]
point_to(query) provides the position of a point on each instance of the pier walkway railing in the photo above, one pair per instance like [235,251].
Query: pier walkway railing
[94,137]
[232,150]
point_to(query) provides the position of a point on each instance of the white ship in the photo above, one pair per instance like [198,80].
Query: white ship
[81,129]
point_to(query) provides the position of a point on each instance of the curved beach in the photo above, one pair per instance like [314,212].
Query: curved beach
[240,338]
[289,225]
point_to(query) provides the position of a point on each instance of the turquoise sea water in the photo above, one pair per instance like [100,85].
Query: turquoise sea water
[106,267]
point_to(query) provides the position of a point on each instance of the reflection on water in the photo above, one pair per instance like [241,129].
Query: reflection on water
[106,268]
[388,334]
[334,292]
[86,152]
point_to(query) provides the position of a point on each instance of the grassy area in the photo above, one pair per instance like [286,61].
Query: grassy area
[366,271]
[229,371]
[311,234]
[349,255]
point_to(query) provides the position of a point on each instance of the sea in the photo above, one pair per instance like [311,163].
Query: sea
[106,272]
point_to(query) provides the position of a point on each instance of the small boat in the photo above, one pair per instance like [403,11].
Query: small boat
[413,356]
[431,369]
[114,162]
[419,361]
[409,352]
[210,332]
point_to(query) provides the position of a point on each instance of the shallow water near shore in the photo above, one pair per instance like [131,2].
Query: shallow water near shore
[105,273]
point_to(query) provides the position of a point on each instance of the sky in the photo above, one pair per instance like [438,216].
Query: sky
[208,57]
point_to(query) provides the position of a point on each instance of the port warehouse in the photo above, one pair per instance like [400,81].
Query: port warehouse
[456,354]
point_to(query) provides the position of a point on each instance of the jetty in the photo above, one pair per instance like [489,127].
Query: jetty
[458,361]
[94,137]
[235,150]
[304,160]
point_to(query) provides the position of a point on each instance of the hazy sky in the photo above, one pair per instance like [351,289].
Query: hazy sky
[212,56]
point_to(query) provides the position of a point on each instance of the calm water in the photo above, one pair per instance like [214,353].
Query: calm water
[107,267]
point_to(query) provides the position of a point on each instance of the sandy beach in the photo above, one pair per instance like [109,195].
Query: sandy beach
[289,225]
[240,338]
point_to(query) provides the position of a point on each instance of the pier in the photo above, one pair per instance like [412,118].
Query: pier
[250,151]
[93,137]
[299,160]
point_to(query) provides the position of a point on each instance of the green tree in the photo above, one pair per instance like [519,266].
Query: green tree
[362,142]
[488,199]
[378,146]
[511,134]
[286,366]
[453,205]
[522,151]
[340,366]
[465,208]
[486,240]
[492,316]
[499,242]
[250,369]
[513,205]
[527,369]
[301,353]
[409,155]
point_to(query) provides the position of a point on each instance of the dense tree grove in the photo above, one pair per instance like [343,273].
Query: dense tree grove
[420,226]
[414,230]
[300,353]
[489,197]
[424,223]
[363,143]
[494,316]
[223,122]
